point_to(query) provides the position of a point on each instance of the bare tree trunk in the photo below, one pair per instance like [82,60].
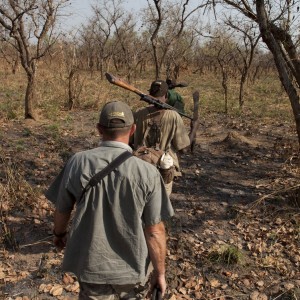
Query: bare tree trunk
[255,74]
[225,87]
[224,80]
[280,62]
[242,84]
[30,24]
[15,65]
[101,68]
[71,89]
[30,94]
[154,37]
[157,68]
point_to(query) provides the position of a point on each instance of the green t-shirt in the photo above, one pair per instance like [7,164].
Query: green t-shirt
[107,243]
[175,100]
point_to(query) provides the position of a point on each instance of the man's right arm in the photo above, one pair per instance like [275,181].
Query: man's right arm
[156,240]
[61,221]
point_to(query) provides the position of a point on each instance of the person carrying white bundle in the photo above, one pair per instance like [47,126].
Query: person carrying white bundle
[166,161]
[161,129]
[167,170]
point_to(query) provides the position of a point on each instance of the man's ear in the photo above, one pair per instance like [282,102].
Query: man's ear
[132,129]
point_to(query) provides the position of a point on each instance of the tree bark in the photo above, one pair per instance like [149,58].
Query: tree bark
[225,88]
[242,84]
[30,94]
[154,38]
[280,62]
[71,91]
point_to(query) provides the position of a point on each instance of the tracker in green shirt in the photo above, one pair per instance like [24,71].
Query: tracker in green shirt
[175,100]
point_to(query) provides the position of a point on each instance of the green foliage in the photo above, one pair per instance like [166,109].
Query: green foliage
[227,254]
[53,131]
[69,118]
[8,110]
[20,145]
[27,132]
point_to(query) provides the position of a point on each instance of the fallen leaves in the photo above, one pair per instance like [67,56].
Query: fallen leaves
[68,279]
[215,283]
[269,267]
[211,212]
[74,288]
[68,284]
[9,274]
[258,296]
[54,290]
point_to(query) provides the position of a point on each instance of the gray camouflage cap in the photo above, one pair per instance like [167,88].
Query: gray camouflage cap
[116,110]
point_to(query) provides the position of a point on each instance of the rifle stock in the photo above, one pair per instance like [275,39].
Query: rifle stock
[147,98]
[121,83]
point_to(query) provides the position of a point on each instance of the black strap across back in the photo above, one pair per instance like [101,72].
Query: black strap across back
[105,171]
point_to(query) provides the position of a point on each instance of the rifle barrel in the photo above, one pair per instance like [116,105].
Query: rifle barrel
[154,101]
[147,98]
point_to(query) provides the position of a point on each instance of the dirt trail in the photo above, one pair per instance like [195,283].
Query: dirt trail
[234,164]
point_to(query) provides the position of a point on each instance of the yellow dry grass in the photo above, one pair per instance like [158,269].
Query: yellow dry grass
[263,99]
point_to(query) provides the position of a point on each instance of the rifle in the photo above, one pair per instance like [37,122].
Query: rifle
[147,98]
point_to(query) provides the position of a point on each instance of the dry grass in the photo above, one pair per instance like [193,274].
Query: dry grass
[226,254]
[14,189]
[264,98]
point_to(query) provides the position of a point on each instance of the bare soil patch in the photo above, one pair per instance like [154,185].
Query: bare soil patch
[236,232]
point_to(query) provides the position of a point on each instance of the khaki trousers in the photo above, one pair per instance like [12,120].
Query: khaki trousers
[90,291]
[168,187]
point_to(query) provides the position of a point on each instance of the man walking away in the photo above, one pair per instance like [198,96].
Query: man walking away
[161,128]
[117,228]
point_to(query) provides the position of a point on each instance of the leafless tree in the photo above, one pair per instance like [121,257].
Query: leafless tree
[263,64]
[111,36]
[106,15]
[29,27]
[10,55]
[245,48]
[220,52]
[203,61]
[180,54]
[71,67]
[224,58]
[167,26]
[87,48]
[142,52]
[125,43]
[278,21]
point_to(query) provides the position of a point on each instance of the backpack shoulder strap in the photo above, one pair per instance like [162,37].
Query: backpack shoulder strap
[105,171]
[154,116]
